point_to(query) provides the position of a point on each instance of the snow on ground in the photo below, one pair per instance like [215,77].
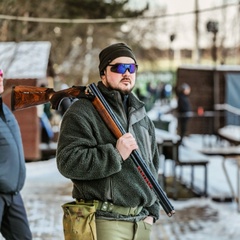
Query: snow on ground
[195,219]
[199,219]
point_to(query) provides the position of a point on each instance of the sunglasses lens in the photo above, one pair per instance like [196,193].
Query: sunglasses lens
[122,68]
[132,68]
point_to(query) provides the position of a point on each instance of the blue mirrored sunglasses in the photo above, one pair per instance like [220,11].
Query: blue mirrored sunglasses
[122,67]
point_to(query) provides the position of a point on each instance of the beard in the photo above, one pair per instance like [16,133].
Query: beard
[122,87]
[125,92]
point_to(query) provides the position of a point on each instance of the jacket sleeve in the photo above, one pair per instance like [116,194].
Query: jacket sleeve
[82,152]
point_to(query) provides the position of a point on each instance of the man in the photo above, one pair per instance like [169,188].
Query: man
[13,219]
[99,165]
[184,109]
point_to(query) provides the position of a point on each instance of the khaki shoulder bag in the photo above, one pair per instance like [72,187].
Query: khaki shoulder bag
[79,221]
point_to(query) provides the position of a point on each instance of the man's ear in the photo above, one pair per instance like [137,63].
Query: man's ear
[103,76]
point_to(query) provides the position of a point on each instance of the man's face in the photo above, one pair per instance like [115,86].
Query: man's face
[1,85]
[123,82]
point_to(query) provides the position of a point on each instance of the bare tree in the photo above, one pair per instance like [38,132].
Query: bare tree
[66,38]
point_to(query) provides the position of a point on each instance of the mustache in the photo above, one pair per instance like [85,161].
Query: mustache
[126,78]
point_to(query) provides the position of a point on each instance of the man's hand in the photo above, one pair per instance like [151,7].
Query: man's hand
[149,220]
[126,144]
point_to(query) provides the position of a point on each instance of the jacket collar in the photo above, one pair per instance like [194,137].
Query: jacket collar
[113,94]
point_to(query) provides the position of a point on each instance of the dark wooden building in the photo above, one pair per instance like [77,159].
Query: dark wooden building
[208,88]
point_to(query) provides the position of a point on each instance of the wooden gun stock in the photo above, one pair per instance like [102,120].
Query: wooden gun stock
[28,96]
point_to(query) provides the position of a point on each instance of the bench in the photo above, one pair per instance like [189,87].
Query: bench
[169,146]
[192,158]
[183,157]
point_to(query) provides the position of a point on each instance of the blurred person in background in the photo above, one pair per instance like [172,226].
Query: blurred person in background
[184,109]
[13,218]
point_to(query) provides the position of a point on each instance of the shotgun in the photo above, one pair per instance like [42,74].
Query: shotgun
[20,101]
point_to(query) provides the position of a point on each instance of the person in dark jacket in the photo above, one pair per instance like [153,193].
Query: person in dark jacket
[184,109]
[13,218]
[99,165]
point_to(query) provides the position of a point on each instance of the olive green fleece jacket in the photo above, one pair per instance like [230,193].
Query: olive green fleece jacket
[86,154]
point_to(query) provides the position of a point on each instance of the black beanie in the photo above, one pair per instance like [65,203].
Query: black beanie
[113,51]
